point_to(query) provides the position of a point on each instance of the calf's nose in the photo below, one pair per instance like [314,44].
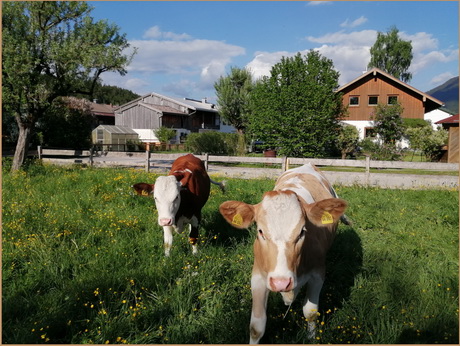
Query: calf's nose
[280,284]
[165,222]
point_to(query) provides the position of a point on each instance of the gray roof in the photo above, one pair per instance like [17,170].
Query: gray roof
[117,129]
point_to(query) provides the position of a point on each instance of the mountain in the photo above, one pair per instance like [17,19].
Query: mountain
[447,93]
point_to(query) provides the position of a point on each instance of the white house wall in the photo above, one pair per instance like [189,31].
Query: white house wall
[435,116]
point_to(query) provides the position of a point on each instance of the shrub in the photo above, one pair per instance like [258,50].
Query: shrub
[428,141]
[212,142]
[164,134]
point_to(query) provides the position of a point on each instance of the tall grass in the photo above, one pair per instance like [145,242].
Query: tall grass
[83,263]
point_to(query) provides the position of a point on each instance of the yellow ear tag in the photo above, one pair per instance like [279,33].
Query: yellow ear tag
[326,218]
[144,193]
[237,220]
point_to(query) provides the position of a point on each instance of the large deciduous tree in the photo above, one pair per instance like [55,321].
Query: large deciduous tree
[232,94]
[392,54]
[52,49]
[296,109]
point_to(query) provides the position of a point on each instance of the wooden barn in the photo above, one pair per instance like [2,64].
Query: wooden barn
[185,115]
[362,95]
[451,125]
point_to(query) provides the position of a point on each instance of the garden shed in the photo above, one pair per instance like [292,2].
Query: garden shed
[113,137]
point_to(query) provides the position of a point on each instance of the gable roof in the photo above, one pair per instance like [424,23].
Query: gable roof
[435,103]
[191,104]
[102,109]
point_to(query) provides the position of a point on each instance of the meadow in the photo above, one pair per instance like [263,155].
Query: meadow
[83,263]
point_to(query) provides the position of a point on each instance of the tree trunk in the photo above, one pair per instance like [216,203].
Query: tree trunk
[22,146]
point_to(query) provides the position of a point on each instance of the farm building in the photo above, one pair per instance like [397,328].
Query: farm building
[362,95]
[113,137]
[185,115]
[451,124]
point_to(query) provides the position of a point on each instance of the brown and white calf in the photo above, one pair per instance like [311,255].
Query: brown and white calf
[180,196]
[296,224]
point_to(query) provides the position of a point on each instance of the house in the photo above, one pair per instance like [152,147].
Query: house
[451,124]
[103,113]
[375,86]
[185,115]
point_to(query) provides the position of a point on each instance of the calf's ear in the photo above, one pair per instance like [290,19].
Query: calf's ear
[325,212]
[237,214]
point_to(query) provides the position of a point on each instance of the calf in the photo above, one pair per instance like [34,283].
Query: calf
[180,196]
[296,224]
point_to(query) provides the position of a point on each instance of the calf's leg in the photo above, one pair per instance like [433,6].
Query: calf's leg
[259,309]
[168,238]
[310,307]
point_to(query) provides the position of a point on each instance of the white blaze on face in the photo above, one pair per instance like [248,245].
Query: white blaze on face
[283,220]
[167,199]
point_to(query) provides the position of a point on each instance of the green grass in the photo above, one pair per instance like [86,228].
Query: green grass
[83,263]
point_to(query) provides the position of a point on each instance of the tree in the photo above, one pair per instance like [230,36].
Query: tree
[388,123]
[233,97]
[67,122]
[348,140]
[427,140]
[296,108]
[392,55]
[164,134]
[52,49]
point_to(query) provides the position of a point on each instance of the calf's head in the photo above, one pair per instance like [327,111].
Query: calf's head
[283,222]
[167,199]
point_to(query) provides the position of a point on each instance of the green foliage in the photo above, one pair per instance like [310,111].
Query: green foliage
[392,55]
[233,96]
[212,142]
[410,123]
[348,140]
[428,141]
[109,94]
[388,123]
[164,134]
[83,262]
[52,49]
[380,151]
[67,124]
[296,110]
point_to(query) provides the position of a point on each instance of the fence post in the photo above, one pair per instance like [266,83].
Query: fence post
[91,154]
[147,161]
[368,169]
[206,161]
[39,151]
[285,164]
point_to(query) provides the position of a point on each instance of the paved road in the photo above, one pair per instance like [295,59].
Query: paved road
[383,180]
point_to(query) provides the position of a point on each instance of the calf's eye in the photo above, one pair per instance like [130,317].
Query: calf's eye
[261,233]
[301,235]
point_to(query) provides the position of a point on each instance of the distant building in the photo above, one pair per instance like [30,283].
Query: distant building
[103,114]
[375,86]
[185,115]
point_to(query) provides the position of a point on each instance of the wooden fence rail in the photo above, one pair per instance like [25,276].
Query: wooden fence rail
[285,162]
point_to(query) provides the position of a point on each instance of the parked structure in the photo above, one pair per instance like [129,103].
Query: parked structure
[152,111]
[112,137]
[362,95]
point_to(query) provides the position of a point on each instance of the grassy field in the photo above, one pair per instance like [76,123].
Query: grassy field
[83,263]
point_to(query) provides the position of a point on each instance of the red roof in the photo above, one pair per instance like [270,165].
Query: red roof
[450,120]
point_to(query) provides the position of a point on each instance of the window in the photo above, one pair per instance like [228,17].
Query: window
[100,136]
[392,99]
[354,100]
[373,100]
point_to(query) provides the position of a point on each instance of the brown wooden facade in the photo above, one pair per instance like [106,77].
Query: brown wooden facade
[362,95]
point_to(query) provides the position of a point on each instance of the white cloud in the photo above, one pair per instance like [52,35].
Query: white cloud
[263,62]
[183,57]
[318,3]
[350,53]
[355,23]
[156,33]
[441,78]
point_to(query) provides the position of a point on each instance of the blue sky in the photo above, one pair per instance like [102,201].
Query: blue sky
[184,47]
